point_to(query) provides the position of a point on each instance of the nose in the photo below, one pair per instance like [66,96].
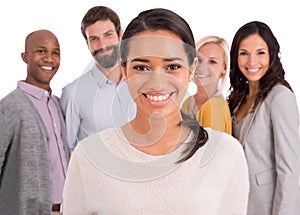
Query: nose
[48,57]
[157,80]
[101,44]
[252,59]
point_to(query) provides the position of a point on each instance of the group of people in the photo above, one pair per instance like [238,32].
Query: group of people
[127,137]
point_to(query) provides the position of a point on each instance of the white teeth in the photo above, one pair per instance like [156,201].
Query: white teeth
[47,67]
[253,70]
[158,98]
[201,76]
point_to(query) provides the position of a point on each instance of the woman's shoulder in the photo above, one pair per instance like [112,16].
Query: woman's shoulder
[105,136]
[280,90]
[223,138]
[97,146]
[281,96]
[217,105]
[220,143]
[217,100]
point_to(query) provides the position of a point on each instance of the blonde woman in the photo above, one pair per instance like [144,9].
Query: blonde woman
[209,104]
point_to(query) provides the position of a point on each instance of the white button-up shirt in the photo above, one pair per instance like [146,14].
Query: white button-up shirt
[92,103]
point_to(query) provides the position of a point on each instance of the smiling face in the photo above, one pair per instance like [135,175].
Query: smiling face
[42,55]
[103,42]
[253,58]
[215,56]
[206,78]
[157,72]
[211,69]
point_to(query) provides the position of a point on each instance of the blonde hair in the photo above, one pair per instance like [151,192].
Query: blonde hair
[224,85]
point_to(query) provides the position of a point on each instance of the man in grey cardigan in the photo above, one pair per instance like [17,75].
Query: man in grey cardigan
[33,147]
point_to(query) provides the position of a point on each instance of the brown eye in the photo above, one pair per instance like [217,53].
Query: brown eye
[243,53]
[212,62]
[41,51]
[173,67]
[141,68]
[56,53]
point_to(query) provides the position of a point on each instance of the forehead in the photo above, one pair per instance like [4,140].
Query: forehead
[253,40]
[211,48]
[44,38]
[165,45]
[100,27]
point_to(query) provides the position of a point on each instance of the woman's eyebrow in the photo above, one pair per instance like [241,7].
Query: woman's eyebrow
[173,59]
[143,60]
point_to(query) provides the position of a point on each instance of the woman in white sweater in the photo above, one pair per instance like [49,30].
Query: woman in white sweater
[162,162]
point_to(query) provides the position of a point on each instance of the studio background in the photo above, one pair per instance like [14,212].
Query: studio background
[63,18]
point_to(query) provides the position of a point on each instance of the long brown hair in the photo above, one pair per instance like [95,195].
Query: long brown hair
[274,75]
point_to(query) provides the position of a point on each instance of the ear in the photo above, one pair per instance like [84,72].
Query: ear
[223,73]
[24,57]
[123,71]
[193,69]
[121,34]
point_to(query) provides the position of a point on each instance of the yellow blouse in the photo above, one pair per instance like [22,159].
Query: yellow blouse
[214,113]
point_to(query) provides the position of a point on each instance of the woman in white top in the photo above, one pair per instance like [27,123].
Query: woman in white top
[162,162]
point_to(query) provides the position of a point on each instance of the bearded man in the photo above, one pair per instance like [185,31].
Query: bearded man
[99,98]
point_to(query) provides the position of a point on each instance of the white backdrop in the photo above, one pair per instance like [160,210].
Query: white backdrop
[220,17]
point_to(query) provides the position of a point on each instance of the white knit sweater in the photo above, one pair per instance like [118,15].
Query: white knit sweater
[106,175]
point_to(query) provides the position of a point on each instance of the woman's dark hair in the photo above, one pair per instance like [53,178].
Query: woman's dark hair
[100,13]
[163,19]
[274,75]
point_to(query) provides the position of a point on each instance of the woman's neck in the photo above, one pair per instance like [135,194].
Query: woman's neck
[155,135]
[253,88]
[200,99]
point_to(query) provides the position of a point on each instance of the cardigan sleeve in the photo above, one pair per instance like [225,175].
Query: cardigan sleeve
[6,131]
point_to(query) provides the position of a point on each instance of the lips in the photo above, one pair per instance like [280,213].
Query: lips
[103,52]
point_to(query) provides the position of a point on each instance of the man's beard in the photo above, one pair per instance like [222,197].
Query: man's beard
[107,61]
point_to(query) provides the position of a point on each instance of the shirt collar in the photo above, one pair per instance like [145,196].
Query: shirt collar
[33,91]
[102,79]
[99,76]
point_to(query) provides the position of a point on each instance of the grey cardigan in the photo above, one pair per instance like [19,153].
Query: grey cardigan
[272,150]
[24,165]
